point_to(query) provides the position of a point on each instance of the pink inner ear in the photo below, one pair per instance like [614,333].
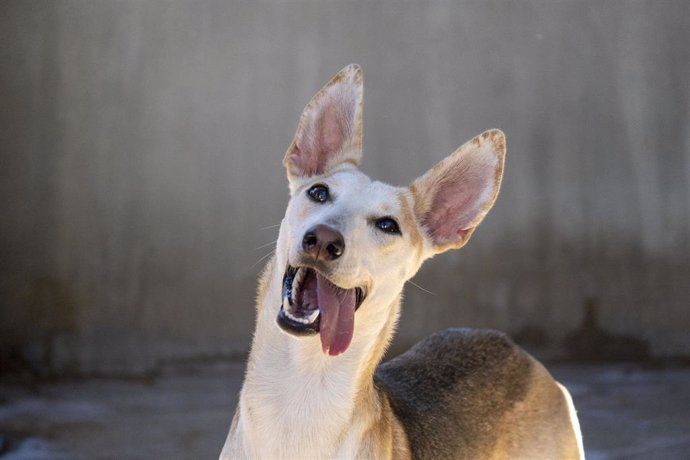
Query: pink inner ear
[327,128]
[460,198]
[332,129]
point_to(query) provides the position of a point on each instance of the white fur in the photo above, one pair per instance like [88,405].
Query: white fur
[574,421]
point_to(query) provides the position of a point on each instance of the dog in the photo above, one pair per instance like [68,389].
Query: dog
[329,300]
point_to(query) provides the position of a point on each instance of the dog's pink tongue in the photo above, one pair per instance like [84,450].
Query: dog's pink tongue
[337,316]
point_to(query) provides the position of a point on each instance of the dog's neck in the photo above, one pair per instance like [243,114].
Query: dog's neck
[296,401]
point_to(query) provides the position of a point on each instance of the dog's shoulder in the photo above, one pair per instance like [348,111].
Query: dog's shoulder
[451,390]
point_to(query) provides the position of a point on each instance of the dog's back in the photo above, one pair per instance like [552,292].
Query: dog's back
[466,393]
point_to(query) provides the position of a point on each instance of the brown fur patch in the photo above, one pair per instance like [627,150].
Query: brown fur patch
[498,139]
[410,222]
[537,426]
[386,437]
[374,358]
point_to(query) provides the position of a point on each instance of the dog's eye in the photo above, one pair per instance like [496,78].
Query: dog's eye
[388,225]
[318,193]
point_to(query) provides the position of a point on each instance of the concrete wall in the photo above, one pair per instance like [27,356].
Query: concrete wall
[141,146]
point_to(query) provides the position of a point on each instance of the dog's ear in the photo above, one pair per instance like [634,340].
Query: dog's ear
[329,133]
[453,197]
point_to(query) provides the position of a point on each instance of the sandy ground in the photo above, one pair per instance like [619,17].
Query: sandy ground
[626,412]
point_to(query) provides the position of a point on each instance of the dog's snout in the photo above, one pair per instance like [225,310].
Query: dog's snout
[323,243]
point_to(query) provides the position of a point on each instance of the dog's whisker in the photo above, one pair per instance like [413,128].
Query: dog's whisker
[263,258]
[265,245]
[419,287]
[269,227]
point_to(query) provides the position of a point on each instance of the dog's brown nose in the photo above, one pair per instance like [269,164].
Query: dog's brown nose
[323,243]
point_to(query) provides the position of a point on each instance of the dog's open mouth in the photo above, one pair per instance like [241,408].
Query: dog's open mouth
[313,304]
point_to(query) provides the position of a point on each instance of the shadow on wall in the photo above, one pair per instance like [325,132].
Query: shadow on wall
[51,310]
[590,343]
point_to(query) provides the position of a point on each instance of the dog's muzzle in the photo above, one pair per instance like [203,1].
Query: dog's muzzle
[313,304]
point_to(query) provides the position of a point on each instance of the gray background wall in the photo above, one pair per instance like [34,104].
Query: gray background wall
[141,146]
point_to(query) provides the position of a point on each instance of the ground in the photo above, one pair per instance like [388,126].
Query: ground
[626,412]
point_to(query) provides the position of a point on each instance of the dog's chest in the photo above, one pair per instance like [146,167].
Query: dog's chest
[293,414]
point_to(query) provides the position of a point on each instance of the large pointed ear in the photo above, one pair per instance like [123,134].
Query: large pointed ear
[453,197]
[329,133]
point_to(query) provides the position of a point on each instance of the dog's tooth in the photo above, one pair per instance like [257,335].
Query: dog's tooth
[297,281]
[312,316]
[295,318]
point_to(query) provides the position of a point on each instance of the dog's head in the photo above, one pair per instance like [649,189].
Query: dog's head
[349,243]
